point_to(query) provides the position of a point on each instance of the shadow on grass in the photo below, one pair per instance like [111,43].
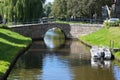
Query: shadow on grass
[7,55]
[8,51]
[10,46]
[1,74]
[12,39]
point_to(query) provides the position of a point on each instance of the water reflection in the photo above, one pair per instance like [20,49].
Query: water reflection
[116,72]
[72,62]
[54,38]
[95,63]
[56,68]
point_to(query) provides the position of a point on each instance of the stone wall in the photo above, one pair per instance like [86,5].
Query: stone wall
[37,31]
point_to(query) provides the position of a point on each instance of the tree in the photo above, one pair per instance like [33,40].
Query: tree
[99,4]
[47,9]
[79,8]
[71,8]
[22,10]
[59,9]
[1,7]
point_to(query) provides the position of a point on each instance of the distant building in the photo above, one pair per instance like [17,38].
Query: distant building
[116,8]
[104,12]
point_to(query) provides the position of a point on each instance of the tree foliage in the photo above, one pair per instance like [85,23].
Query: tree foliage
[78,8]
[47,9]
[22,10]
[59,8]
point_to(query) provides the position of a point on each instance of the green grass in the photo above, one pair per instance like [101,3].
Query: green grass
[10,44]
[103,36]
[117,55]
[116,62]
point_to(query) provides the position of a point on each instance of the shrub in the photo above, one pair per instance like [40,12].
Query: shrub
[4,26]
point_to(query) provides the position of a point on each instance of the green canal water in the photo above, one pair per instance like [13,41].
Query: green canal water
[71,61]
[58,59]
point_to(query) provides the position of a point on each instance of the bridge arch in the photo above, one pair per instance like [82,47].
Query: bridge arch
[37,31]
[56,29]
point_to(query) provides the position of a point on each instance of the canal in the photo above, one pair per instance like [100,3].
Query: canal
[72,61]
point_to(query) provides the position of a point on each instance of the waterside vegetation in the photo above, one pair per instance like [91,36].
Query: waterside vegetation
[103,37]
[11,44]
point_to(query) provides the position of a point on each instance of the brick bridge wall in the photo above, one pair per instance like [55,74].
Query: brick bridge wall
[37,31]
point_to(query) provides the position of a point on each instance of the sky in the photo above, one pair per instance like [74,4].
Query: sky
[49,1]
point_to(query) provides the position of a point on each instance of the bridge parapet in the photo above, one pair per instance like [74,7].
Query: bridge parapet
[37,31]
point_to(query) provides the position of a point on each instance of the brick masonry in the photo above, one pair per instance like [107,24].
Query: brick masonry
[37,31]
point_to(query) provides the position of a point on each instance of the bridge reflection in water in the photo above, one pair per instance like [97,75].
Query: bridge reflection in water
[54,38]
[69,62]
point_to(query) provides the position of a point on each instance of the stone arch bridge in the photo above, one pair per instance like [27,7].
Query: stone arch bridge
[72,31]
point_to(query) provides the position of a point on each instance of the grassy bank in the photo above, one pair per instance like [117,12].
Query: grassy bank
[10,44]
[103,36]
